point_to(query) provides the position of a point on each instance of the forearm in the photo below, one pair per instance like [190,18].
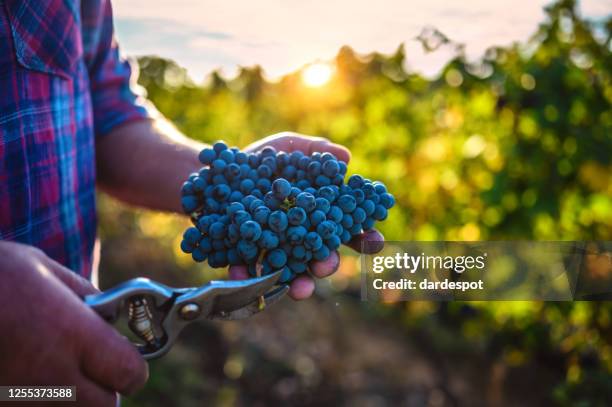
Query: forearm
[145,163]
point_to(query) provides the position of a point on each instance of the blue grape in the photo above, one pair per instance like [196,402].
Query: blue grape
[368,224]
[328,193]
[322,181]
[303,163]
[247,250]
[289,172]
[355,181]
[327,157]
[233,233]
[297,266]
[294,192]
[296,216]
[330,168]
[235,196]
[317,217]
[313,241]
[294,157]
[282,159]
[347,221]
[387,200]
[261,214]
[268,151]
[198,255]
[205,244]
[347,203]
[335,214]
[207,156]
[264,171]
[333,242]
[286,275]
[186,246]
[253,160]
[306,201]
[263,184]
[281,188]
[321,254]
[295,234]
[198,184]
[246,201]
[256,203]
[227,156]
[380,213]
[232,171]
[368,207]
[218,166]
[219,146]
[190,203]
[241,158]
[322,205]
[326,229]
[355,229]
[271,202]
[269,162]
[187,188]
[380,188]
[239,217]
[221,192]
[278,221]
[359,215]
[217,230]
[233,257]
[359,196]
[192,235]
[345,237]
[277,258]
[268,240]
[314,169]
[250,230]
[246,186]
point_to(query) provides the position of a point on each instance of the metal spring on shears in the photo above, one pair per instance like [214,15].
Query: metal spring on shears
[140,319]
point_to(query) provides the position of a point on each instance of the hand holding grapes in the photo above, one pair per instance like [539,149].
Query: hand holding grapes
[303,286]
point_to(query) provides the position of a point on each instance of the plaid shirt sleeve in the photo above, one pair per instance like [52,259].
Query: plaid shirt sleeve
[116,97]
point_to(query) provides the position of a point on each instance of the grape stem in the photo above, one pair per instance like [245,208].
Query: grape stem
[258,267]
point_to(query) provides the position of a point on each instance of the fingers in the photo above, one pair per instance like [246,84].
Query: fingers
[288,141]
[327,267]
[375,242]
[111,360]
[76,283]
[90,394]
[301,287]
[324,145]
[238,273]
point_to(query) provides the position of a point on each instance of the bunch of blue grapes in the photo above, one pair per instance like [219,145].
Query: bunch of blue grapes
[276,209]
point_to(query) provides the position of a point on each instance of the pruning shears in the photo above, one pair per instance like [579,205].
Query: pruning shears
[157,313]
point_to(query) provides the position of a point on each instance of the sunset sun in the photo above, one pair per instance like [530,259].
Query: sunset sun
[317,74]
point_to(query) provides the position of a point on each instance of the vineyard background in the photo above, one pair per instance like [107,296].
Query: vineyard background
[516,145]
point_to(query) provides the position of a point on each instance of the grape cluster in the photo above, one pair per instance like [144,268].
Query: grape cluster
[279,209]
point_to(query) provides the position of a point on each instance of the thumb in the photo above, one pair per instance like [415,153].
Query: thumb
[73,281]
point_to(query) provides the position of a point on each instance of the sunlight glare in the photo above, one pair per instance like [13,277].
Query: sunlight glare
[316,75]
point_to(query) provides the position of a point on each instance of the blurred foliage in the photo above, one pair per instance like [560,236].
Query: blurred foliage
[516,145]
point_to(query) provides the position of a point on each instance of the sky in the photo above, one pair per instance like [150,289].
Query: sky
[284,35]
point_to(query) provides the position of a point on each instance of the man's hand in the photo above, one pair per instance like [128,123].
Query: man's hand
[303,286]
[50,337]
[146,162]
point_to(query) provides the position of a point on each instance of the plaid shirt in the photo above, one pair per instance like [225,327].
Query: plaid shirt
[62,85]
